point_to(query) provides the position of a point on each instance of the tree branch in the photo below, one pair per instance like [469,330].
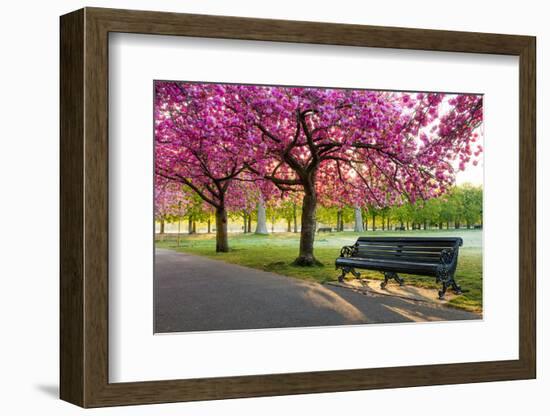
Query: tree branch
[185,181]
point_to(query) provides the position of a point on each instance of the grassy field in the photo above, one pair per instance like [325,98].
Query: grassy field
[275,253]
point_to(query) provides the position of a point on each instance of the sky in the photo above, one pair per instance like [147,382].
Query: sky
[472,174]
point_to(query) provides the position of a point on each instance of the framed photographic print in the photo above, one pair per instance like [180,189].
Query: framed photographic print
[255,207]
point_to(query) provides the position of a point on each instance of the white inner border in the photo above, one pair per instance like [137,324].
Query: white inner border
[135,354]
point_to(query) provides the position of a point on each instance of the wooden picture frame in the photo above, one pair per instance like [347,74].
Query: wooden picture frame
[84,207]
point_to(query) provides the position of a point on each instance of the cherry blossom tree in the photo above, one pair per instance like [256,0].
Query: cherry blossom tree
[169,198]
[201,144]
[247,194]
[379,147]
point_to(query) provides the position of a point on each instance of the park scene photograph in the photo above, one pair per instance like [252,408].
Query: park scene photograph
[298,206]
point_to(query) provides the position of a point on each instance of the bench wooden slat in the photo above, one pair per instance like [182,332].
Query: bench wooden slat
[426,259]
[410,239]
[394,249]
[399,250]
[425,269]
[405,244]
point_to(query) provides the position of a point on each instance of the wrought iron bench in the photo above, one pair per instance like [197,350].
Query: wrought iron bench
[324,230]
[424,256]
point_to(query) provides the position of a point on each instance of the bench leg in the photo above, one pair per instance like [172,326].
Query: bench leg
[456,288]
[442,291]
[399,279]
[346,270]
[385,282]
[447,279]
[342,276]
[391,275]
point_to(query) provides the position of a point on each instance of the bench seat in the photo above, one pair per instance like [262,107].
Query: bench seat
[390,265]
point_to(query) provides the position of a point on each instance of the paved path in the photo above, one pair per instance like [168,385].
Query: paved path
[195,293]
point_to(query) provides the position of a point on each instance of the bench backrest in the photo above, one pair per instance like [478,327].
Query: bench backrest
[417,249]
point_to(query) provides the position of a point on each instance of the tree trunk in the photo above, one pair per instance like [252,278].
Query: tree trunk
[194,227]
[338,219]
[373,222]
[295,217]
[261,224]
[179,231]
[208,225]
[457,225]
[425,225]
[190,225]
[288,225]
[388,226]
[162,227]
[307,236]
[272,224]
[245,223]
[222,246]
[249,228]
[447,225]
[358,228]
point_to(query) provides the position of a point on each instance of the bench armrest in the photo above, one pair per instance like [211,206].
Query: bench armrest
[448,255]
[347,251]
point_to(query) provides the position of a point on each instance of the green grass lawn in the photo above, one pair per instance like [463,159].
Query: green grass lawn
[275,253]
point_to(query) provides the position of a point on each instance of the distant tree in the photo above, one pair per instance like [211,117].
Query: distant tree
[430,212]
[328,215]
[358,226]
[398,213]
[450,207]
[287,211]
[170,201]
[460,205]
[385,217]
[472,204]
[261,223]
[273,213]
[373,211]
